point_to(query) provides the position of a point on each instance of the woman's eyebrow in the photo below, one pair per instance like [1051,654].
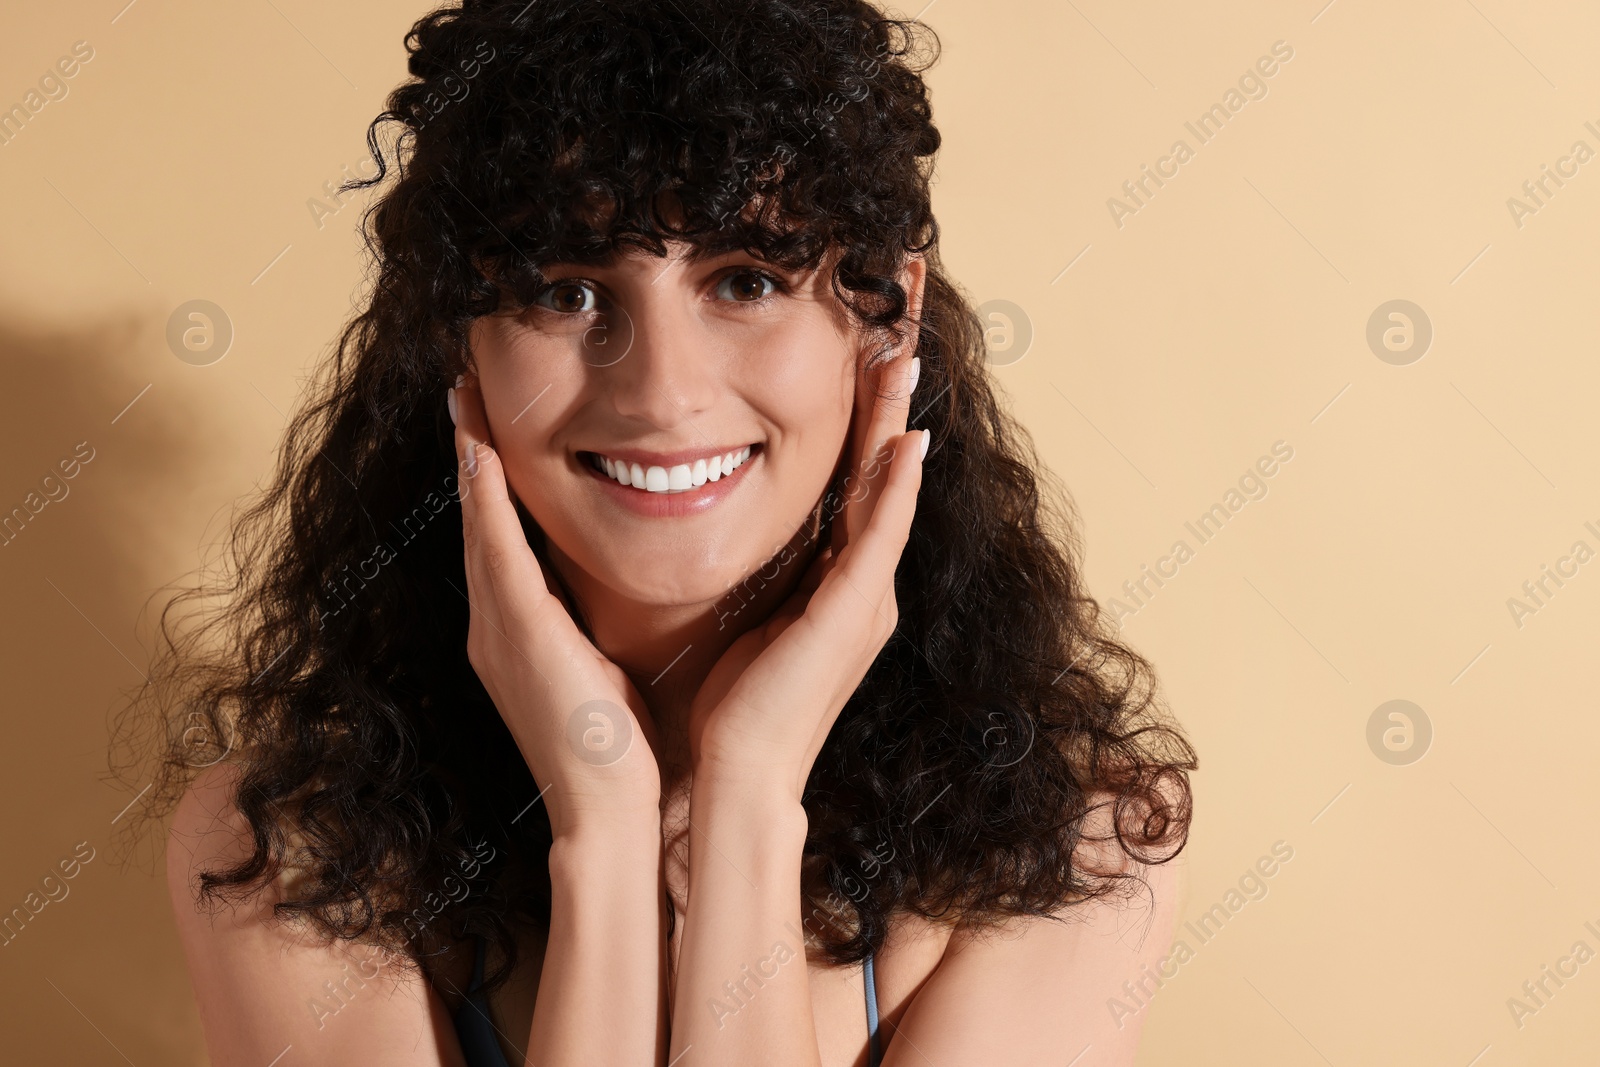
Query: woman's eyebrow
[603,262]
[699,252]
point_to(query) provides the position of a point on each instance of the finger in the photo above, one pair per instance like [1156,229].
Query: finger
[865,572]
[479,596]
[500,565]
[794,605]
[820,566]
[881,416]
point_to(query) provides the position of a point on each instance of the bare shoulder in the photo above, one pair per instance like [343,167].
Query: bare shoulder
[206,828]
[1038,990]
[264,986]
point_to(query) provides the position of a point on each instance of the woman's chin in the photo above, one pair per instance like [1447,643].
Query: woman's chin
[668,580]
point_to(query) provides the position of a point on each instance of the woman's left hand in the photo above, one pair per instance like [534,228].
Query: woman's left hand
[766,707]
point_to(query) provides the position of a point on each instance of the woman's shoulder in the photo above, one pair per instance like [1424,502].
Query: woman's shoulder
[1044,983]
[210,832]
[207,829]
[263,983]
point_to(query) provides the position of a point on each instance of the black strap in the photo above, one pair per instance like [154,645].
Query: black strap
[477,964]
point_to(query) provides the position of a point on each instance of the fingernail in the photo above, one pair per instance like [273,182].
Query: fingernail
[472,460]
[461,379]
[927,435]
[450,402]
[916,372]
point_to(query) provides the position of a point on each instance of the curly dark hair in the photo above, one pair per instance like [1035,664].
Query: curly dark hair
[958,781]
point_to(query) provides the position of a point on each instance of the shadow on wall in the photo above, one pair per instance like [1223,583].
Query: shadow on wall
[96,463]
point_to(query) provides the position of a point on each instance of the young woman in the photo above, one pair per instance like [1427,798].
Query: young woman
[655,647]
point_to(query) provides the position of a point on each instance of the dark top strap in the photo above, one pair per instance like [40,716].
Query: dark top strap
[473,1027]
[478,955]
[874,1050]
[478,1043]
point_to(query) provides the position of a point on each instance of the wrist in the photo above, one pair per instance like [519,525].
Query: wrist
[762,801]
[585,826]
[730,771]
[599,839]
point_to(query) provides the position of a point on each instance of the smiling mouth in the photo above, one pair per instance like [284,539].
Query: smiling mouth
[680,478]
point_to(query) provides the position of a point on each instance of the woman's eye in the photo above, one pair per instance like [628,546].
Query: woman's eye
[568,298]
[746,286]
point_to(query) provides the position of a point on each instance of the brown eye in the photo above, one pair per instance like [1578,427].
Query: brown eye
[746,286]
[567,297]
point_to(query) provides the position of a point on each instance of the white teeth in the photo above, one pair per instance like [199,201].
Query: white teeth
[677,479]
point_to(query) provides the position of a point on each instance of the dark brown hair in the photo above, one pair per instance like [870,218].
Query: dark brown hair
[958,781]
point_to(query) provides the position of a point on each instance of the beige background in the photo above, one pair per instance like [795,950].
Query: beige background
[1228,313]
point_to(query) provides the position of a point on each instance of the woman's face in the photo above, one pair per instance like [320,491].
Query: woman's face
[725,385]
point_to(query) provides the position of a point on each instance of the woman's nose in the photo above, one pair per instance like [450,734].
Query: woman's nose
[667,374]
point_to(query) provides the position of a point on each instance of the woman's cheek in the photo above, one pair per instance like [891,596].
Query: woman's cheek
[522,383]
[808,375]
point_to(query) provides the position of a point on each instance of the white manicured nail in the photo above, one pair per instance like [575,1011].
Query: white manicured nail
[927,435]
[916,372]
[450,402]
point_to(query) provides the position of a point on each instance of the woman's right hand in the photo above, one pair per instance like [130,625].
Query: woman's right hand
[577,718]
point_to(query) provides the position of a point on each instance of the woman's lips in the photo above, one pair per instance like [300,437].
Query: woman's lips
[668,502]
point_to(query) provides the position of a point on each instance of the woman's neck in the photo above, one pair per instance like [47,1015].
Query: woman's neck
[668,650]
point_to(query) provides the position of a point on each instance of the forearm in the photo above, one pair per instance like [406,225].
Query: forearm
[602,990]
[743,994]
